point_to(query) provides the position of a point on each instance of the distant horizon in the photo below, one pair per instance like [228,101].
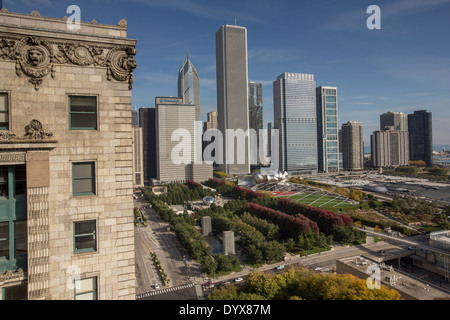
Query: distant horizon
[436,147]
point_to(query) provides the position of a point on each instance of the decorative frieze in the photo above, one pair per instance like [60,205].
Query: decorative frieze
[34,131]
[38,243]
[12,276]
[36,58]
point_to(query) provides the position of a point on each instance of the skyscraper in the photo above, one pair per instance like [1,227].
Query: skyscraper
[420,129]
[211,122]
[398,120]
[147,122]
[327,129]
[189,86]
[352,146]
[178,160]
[389,147]
[232,98]
[294,99]
[255,115]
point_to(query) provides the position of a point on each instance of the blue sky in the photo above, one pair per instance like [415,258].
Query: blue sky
[404,66]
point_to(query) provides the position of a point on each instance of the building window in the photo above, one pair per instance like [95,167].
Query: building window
[13,215]
[84,236]
[86,289]
[82,113]
[20,236]
[15,292]
[4,240]
[83,174]
[4,112]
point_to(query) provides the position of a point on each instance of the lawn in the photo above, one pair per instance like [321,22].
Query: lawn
[322,201]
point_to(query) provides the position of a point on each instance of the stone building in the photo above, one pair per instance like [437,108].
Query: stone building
[66,208]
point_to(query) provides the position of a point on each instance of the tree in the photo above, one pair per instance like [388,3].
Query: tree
[262,285]
[209,264]
[290,244]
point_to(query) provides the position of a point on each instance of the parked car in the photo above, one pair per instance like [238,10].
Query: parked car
[238,279]
[156,286]
[279,267]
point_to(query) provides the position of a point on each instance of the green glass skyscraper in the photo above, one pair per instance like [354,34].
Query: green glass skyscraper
[327,129]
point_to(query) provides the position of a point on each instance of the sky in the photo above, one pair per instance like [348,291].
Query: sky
[403,66]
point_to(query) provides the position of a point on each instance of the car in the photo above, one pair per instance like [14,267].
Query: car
[207,284]
[238,279]
[279,267]
[226,282]
[156,286]
[318,268]
[381,251]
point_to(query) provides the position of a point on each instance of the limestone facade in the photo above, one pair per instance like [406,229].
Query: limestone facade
[42,65]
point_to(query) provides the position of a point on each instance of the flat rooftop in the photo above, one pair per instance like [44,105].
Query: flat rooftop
[404,283]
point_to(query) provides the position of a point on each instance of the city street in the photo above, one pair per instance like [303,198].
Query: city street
[156,238]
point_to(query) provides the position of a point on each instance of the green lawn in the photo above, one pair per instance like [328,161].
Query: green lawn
[323,202]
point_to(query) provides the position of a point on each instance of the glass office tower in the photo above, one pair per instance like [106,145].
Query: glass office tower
[327,129]
[420,129]
[189,86]
[294,97]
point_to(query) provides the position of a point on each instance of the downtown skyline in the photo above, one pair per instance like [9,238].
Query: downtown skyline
[402,67]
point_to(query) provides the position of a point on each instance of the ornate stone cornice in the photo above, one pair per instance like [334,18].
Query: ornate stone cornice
[12,276]
[34,130]
[35,138]
[36,58]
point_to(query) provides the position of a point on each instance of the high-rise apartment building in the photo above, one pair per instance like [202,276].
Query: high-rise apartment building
[420,129]
[232,98]
[211,121]
[255,116]
[398,120]
[66,211]
[389,148]
[327,129]
[294,99]
[178,142]
[189,86]
[147,121]
[352,146]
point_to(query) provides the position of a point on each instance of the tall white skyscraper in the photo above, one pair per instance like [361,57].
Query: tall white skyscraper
[294,99]
[232,98]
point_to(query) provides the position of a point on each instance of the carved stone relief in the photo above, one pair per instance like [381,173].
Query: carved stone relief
[34,130]
[35,58]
